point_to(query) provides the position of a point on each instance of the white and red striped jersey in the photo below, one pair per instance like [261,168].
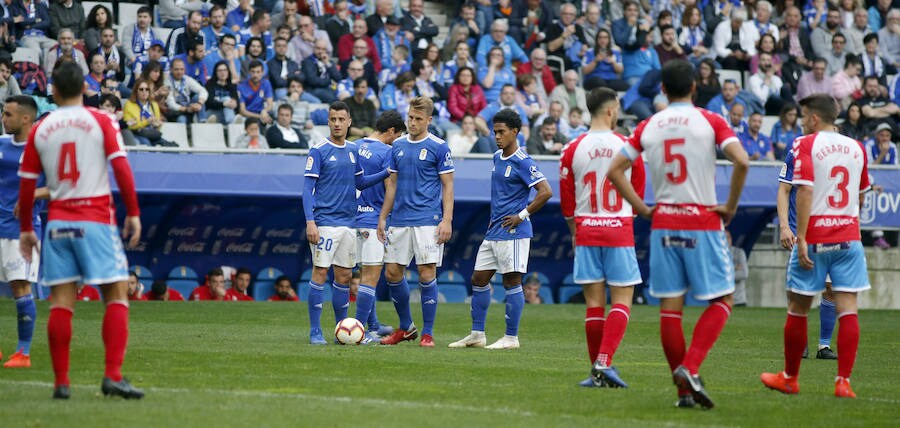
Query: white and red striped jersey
[72,146]
[602,217]
[679,146]
[836,168]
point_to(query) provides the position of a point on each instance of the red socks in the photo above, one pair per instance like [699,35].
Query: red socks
[59,336]
[706,332]
[672,337]
[795,328]
[847,343]
[613,332]
[593,330]
[115,338]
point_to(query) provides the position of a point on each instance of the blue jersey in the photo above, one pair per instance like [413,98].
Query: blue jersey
[787,176]
[371,155]
[419,165]
[335,168]
[511,182]
[254,99]
[10,155]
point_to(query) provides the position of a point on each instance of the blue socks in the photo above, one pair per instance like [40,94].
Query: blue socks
[373,323]
[429,305]
[315,305]
[481,300]
[26,315]
[340,301]
[400,296]
[365,301]
[515,301]
[827,315]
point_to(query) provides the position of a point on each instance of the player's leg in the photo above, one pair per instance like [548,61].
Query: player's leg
[397,255]
[26,314]
[115,340]
[588,271]
[850,276]
[59,334]
[622,274]
[827,319]
[323,254]
[365,297]
[340,292]
[515,303]
[481,299]
[429,292]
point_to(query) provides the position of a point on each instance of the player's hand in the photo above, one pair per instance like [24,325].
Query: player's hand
[132,231]
[803,255]
[787,238]
[444,230]
[648,213]
[28,242]
[724,212]
[16,210]
[312,232]
[381,231]
[511,221]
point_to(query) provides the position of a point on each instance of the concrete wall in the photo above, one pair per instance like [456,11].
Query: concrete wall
[768,266]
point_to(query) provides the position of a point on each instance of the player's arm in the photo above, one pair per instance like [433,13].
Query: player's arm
[29,172]
[567,188]
[741,164]
[804,205]
[445,227]
[544,193]
[616,174]
[390,193]
[310,178]
[781,205]
[366,181]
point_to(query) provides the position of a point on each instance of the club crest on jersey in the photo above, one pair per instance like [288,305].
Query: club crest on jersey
[423,154]
[448,160]
[535,172]
[508,170]
[309,163]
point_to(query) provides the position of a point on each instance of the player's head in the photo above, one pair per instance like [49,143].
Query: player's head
[284,115]
[283,287]
[159,289]
[420,111]
[603,104]
[390,125]
[755,121]
[338,120]
[133,283]
[678,79]
[68,81]
[819,113]
[507,124]
[241,280]
[215,279]
[19,113]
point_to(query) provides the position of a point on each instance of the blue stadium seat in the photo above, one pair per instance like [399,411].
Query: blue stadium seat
[567,291]
[183,272]
[497,279]
[306,275]
[412,278]
[264,286]
[454,293]
[499,293]
[546,294]
[303,292]
[451,277]
[268,274]
[183,279]
[545,282]
[569,280]
[142,273]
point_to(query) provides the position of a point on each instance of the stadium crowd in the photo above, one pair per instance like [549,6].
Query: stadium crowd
[265,63]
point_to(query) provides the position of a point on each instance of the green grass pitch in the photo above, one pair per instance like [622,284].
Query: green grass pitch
[249,364]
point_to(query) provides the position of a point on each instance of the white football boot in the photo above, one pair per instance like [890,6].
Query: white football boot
[475,339]
[505,342]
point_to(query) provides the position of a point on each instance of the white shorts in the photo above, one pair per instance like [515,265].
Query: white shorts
[336,246]
[503,256]
[420,241]
[369,249]
[13,266]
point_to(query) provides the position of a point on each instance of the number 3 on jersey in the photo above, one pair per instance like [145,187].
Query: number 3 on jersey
[678,158]
[67,167]
[611,200]
[843,198]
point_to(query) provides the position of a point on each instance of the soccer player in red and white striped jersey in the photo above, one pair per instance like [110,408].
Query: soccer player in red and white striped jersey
[601,226]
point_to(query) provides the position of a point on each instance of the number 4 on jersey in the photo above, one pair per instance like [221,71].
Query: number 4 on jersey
[68,164]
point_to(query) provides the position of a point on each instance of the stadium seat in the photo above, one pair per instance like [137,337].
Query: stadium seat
[183,272]
[319,133]
[23,54]
[540,276]
[451,277]
[569,280]
[264,286]
[306,275]
[208,136]
[303,293]
[176,133]
[88,5]
[730,74]
[128,13]
[498,293]
[234,133]
[546,294]
[142,272]
[162,32]
[454,293]
[566,292]
[183,279]
[767,123]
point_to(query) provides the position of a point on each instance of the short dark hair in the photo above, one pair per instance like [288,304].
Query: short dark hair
[756,113]
[257,16]
[390,119]
[242,270]
[678,78]
[255,64]
[839,34]
[282,278]
[338,106]
[132,273]
[112,99]
[663,28]
[508,117]
[24,101]
[597,98]
[417,65]
[215,272]
[822,105]
[279,38]
[359,81]
[871,77]
[286,106]
[851,59]
[143,9]
[192,43]
[159,288]
[548,121]
[251,121]
[869,37]
[293,79]
[68,79]
[227,36]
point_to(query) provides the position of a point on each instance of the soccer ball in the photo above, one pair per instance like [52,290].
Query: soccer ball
[349,331]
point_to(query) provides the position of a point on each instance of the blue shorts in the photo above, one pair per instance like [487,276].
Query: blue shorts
[844,262]
[616,265]
[84,251]
[700,259]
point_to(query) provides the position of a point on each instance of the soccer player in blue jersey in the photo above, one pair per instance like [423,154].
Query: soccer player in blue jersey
[419,200]
[329,203]
[786,205]
[507,241]
[372,153]
[18,116]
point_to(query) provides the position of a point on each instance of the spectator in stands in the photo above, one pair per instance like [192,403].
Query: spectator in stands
[113,105]
[785,130]
[216,28]
[569,94]
[384,11]
[461,58]
[853,124]
[548,141]
[288,16]
[566,39]
[557,112]
[889,38]
[464,141]
[32,25]
[669,48]
[529,19]
[576,124]
[347,43]
[766,45]
[495,75]
[283,290]
[692,35]
[397,95]
[387,38]
[433,54]
[465,96]
[65,48]
[734,41]
[498,39]
[259,28]
[153,54]
[602,65]
[9,86]
[181,38]
[228,53]
[736,120]
[873,63]
[255,51]
[302,45]
[757,145]
[214,289]
[98,19]
[364,64]
[252,138]
[762,20]
[222,102]
[468,26]
[630,34]
[815,81]
[846,85]
[767,86]
[723,103]
[319,74]
[110,86]
[256,95]
[161,291]
[194,64]
[240,283]
[822,35]
[282,135]
[506,101]
[135,288]
[527,97]
[795,46]
[239,17]
[66,14]
[363,110]
[173,12]
[138,37]
[339,23]
[141,114]
[856,31]
[281,68]
[299,100]
[113,57]
[94,80]
[400,66]
[881,151]
[663,19]
[591,23]
[541,72]
[707,81]
[531,289]
[876,108]
[87,293]
[835,56]
[186,97]
[420,27]
[717,11]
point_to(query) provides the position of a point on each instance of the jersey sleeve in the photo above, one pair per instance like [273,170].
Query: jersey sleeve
[633,146]
[787,170]
[567,180]
[529,172]
[113,145]
[30,166]
[804,171]
[865,184]
[313,163]
[638,176]
[444,158]
[723,133]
